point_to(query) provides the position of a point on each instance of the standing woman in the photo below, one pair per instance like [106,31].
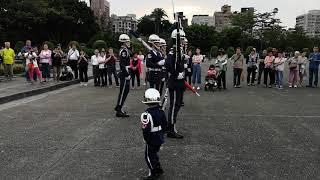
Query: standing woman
[188,71]
[293,66]
[102,61]
[221,65]
[111,68]
[56,63]
[302,63]
[261,65]
[83,69]
[45,59]
[279,68]
[252,67]
[135,66]
[196,74]
[143,68]
[237,60]
[268,68]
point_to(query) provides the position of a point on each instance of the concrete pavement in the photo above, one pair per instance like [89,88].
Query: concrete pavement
[248,133]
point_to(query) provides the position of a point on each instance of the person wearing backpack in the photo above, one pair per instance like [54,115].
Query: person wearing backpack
[237,60]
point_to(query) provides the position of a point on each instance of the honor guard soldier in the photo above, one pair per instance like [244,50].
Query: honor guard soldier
[154,62]
[164,73]
[175,68]
[153,122]
[124,75]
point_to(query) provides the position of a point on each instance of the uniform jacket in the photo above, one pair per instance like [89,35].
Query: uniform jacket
[124,57]
[153,123]
[174,68]
[153,58]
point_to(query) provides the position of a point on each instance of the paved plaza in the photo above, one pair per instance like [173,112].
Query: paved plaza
[247,133]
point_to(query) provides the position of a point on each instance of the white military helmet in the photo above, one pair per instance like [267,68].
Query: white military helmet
[153,38]
[124,38]
[174,34]
[163,42]
[151,96]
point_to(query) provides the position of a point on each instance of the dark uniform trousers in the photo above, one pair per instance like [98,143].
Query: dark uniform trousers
[124,91]
[176,96]
[151,156]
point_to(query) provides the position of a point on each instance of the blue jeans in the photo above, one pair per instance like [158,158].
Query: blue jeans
[279,78]
[196,74]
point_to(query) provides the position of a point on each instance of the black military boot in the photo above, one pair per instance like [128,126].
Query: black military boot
[159,171]
[153,175]
[122,114]
[174,135]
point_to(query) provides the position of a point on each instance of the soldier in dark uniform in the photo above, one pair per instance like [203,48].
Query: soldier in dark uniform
[124,57]
[176,87]
[154,62]
[164,73]
[153,122]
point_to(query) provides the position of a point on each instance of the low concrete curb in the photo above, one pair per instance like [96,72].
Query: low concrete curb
[38,91]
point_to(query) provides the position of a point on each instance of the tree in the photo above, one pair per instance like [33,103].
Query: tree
[158,15]
[202,36]
[53,20]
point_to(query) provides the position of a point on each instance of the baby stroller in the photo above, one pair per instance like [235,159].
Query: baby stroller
[67,74]
[211,79]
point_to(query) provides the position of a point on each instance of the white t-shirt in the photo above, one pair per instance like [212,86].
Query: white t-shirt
[73,54]
[31,59]
[101,61]
[95,60]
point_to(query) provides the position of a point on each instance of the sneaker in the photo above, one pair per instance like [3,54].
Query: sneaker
[81,84]
[85,84]
[280,87]
[144,84]
[198,88]
[249,84]
[270,86]
[295,86]
[235,86]
[290,86]
[252,84]
[239,86]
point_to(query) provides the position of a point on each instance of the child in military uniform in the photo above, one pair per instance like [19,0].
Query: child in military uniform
[153,122]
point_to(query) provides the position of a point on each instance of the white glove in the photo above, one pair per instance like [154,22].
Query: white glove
[161,63]
[128,77]
[185,66]
[180,76]
[139,39]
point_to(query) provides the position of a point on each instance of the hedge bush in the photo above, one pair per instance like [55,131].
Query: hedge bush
[99,44]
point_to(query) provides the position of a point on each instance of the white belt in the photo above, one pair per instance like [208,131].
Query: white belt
[152,69]
[156,129]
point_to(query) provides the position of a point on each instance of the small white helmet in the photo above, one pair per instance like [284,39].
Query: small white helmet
[153,38]
[174,34]
[151,96]
[163,42]
[124,38]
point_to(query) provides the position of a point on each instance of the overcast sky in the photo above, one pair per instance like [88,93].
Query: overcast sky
[288,9]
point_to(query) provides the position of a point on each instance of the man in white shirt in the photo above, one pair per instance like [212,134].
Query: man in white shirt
[95,67]
[73,57]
